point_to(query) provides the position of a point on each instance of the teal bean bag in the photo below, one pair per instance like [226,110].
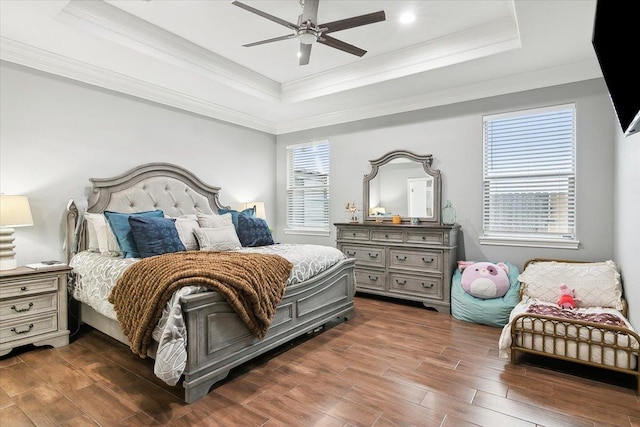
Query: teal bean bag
[492,312]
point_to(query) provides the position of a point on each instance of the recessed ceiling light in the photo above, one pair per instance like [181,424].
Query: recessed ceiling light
[407,18]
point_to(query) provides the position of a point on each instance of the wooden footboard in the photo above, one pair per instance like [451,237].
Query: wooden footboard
[218,340]
[593,344]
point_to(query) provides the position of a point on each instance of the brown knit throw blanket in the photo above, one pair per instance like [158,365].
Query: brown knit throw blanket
[252,284]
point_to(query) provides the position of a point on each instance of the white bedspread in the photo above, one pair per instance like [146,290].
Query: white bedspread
[550,345]
[97,275]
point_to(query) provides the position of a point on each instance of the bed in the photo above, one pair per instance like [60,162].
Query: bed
[200,337]
[595,333]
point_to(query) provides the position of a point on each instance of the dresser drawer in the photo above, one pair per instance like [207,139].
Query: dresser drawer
[365,255]
[353,233]
[28,327]
[425,237]
[422,286]
[387,236]
[30,286]
[422,260]
[28,306]
[370,279]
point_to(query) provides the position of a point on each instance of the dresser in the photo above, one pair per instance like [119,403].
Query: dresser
[33,308]
[412,262]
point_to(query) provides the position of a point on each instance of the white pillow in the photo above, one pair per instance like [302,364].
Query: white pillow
[99,230]
[186,224]
[217,239]
[214,221]
[596,284]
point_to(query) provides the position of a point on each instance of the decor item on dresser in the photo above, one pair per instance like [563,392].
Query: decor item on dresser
[596,333]
[319,288]
[33,307]
[14,212]
[448,214]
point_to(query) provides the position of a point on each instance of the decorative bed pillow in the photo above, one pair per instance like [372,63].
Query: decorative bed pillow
[101,237]
[155,236]
[235,214]
[215,221]
[186,224]
[596,284]
[253,231]
[217,239]
[119,223]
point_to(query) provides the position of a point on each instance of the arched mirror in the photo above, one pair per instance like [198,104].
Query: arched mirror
[403,183]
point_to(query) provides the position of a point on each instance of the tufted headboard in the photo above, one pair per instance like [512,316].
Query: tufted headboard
[152,186]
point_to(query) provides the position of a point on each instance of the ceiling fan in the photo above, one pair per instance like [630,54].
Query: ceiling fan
[307,31]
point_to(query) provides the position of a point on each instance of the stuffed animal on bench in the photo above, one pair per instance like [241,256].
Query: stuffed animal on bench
[484,280]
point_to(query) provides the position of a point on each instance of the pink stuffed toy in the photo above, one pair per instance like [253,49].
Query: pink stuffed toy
[484,279]
[567,300]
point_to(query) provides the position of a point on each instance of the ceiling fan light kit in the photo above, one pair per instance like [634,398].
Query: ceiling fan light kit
[308,32]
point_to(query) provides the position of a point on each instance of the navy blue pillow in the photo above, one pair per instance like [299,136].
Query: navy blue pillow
[234,214]
[253,231]
[119,223]
[155,236]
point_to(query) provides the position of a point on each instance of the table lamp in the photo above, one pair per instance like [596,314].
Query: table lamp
[14,212]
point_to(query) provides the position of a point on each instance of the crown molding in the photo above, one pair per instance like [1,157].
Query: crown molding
[571,73]
[130,31]
[29,56]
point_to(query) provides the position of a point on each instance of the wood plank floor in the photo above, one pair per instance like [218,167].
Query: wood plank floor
[393,364]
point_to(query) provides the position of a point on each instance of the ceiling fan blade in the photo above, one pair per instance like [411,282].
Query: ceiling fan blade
[338,44]
[305,53]
[265,15]
[275,39]
[356,21]
[310,11]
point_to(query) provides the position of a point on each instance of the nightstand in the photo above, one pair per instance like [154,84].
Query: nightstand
[33,308]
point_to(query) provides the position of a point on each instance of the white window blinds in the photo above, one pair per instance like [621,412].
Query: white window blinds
[529,174]
[308,186]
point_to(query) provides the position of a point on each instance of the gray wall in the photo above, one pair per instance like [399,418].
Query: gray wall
[453,134]
[55,134]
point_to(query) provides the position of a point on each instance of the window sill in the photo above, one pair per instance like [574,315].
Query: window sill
[529,242]
[308,232]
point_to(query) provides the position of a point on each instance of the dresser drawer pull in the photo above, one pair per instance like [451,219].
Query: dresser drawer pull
[424,237]
[373,278]
[404,258]
[354,234]
[20,310]
[428,261]
[386,236]
[373,255]
[404,282]
[429,286]
[23,288]
[24,331]
[351,253]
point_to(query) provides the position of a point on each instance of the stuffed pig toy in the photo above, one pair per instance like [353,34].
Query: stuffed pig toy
[484,280]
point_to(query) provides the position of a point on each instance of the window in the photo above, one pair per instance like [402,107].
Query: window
[308,188]
[529,182]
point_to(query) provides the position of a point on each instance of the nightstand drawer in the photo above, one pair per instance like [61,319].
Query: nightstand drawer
[30,286]
[353,233]
[428,261]
[28,327]
[28,306]
[370,279]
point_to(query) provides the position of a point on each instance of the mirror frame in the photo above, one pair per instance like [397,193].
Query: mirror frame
[426,161]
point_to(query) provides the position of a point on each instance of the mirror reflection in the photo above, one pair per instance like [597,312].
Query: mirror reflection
[402,183]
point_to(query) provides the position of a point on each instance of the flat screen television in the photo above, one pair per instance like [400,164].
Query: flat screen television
[616,32]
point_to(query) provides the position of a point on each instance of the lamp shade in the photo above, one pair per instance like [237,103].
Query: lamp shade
[260,211]
[15,211]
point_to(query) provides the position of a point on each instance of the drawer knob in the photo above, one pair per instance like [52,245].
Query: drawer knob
[404,258]
[404,282]
[20,310]
[424,237]
[351,253]
[354,234]
[373,255]
[428,261]
[373,278]
[429,286]
[24,331]
[23,288]
[386,236]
